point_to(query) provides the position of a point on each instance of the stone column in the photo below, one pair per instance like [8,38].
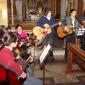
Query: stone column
[76,4]
[63,8]
[18,4]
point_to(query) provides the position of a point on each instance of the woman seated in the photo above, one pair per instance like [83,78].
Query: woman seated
[7,43]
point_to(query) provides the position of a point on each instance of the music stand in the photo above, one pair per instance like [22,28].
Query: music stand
[43,58]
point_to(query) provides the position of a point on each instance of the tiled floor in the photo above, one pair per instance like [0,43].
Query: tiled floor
[57,69]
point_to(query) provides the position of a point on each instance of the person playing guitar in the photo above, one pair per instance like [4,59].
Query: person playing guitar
[63,32]
[71,20]
[47,32]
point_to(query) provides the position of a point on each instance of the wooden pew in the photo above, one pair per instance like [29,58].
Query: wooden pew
[77,55]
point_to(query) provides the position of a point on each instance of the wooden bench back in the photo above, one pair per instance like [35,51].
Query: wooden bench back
[75,54]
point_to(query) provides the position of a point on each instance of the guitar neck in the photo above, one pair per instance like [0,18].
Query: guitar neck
[54,25]
[26,63]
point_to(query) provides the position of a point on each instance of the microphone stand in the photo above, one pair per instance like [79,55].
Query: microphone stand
[76,31]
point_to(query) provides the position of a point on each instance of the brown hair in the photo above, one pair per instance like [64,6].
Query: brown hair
[46,10]
[9,37]
[72,10]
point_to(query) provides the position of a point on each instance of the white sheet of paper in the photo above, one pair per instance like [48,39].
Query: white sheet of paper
[44,53]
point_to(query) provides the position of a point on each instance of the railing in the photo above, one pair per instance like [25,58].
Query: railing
[77,55]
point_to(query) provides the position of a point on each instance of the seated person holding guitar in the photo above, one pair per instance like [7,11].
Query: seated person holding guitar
[24,58]
[7,43]
[47,24]
[70,20]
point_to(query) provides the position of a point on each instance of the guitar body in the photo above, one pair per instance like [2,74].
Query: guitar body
[83,23]
[62,33]
[22,62]
[40,33]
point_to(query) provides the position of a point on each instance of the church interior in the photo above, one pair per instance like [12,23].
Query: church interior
[52,72]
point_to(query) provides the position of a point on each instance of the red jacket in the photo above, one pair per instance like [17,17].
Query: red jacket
[7,59]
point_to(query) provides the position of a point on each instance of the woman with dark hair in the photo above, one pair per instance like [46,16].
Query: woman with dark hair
[8,42]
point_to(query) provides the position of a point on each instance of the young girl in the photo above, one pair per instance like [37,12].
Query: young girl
[7,43]
[21,34]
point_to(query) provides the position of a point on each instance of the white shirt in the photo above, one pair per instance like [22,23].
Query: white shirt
[73,20]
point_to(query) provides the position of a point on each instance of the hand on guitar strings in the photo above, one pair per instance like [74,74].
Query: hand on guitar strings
[68,29]
[59,23]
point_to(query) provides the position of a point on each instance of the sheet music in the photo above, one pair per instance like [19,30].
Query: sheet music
[81,31]
[44,53]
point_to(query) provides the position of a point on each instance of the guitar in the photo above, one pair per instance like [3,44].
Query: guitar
[23,63]
[40,32]
[64,32]
[83,23]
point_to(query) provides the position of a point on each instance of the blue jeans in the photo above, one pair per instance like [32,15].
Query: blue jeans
[32,81]
[30,69]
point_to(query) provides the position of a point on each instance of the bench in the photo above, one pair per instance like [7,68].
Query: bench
[77,55]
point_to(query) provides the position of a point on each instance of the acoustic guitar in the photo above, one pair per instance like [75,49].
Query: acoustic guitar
[23,63]
[83,23]
[40,32]
[62,32]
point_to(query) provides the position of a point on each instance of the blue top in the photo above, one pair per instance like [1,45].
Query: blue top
[43,20]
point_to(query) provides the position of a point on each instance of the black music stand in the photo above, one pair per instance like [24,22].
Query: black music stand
[43,58]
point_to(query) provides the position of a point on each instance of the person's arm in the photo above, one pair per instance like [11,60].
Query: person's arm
[12,65]
[17,70]
[53,21]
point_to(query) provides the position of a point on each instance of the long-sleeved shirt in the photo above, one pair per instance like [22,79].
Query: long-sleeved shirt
[43,20]
[7,59]
[22,34]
